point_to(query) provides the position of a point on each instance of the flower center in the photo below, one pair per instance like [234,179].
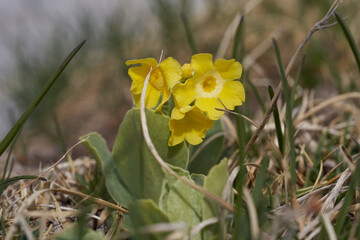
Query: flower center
[157,79]
[208,84]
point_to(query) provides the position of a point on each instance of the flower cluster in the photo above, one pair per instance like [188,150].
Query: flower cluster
[199,89]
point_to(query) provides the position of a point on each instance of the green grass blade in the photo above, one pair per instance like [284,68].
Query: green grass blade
[279,133]
[289,123]
[349,38]
[257,94]
[237,39]
[260,182]
[240,214]
[15,129]
[349,196]
[59,134]
[3,179]
[189,33]
[2,222]
[17,178]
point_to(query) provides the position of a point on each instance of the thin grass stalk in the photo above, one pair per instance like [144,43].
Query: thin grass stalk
[257,94]
[189,33]
[238,39]
[21,121]
[349,38]
[240,213]
[241,134]
[279,133]
[349,196]
[260,182]
[289,122]
[59,134]
[4,179]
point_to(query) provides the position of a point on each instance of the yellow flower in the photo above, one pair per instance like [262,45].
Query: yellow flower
[212,85]
[192,127]
[163,77]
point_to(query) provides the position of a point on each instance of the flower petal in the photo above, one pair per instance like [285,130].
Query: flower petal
[184,93]
[202,63]
[171,71]
[151,62]
[228,69]
[192,127]
[151,98]
[177,135]
[179,112]
[232,94]
[208,105]
[166,93]
[138,75]
[187,72]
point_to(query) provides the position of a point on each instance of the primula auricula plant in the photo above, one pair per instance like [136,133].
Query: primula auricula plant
[199,89]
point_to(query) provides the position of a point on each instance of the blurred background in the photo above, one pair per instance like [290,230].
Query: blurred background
[93,92]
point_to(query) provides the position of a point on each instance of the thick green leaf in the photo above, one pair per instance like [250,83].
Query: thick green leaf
[181,202]
[138,169]
[204,158]
[145,212]
[99,150]
[77,232]
[215,183]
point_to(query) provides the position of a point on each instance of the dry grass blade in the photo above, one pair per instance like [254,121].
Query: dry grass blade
[329,228]
[19,214]
[348,159]
[162,163]
[94,199]
[326,103]
[196,229]
[331,199]
[45,172]
[254,222]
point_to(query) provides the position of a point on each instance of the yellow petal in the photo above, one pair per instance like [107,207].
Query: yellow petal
[177,135]
[202,63]
[184,93]
[208,105]
[165,96]
[192,127]
[138,75]
[186,71]
[232,94]
[146,61]
[228,69]
[151,98]
[171,70]
[179,112]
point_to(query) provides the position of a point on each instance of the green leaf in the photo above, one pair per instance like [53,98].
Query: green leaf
[198,179]
[21,121]
[215,183]
[99,150]
[138,170]
[181,202]
[74,233]
[207,154]
[145,212]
